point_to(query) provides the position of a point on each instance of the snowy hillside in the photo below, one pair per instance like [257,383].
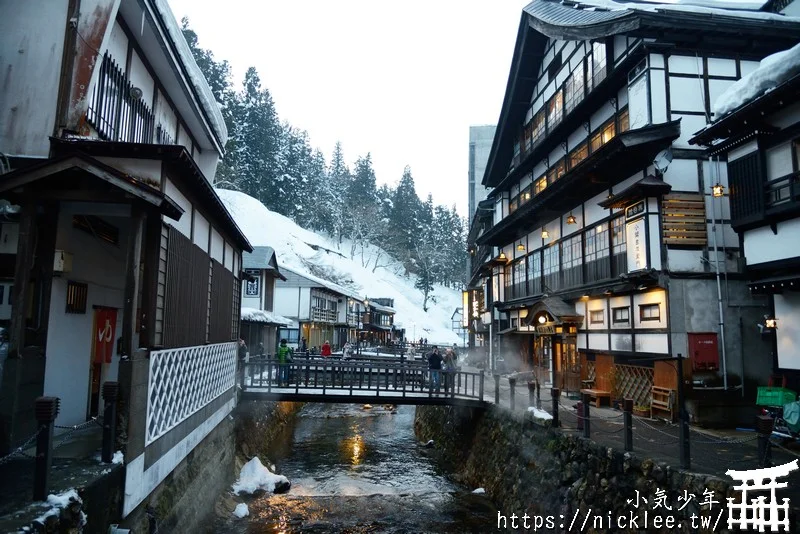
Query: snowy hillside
[308,253]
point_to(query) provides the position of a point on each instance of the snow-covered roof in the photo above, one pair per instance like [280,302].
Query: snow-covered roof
[771,72]
[254,315]
[196,77]
[381,307]
[745,9]
[327,284]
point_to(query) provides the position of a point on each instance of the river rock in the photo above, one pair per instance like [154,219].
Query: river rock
[282,486]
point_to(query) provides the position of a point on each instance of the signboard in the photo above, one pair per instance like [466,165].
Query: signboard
[251,288]
[477,304]
[545,329]
[635,236]
[465,302]
[633,211]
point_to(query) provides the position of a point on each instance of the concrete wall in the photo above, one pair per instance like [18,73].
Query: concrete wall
[69,336]
[31,45]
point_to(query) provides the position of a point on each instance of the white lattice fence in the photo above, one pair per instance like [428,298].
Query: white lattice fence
[184,380]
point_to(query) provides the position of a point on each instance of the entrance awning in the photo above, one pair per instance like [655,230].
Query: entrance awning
[559,311]
[12,184]
[775,284]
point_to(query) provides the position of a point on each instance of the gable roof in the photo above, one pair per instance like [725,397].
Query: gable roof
[262,258]
[321,282]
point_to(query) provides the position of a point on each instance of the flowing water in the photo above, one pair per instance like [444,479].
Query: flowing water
[354,471]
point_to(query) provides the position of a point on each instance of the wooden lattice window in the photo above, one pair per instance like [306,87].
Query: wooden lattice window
[186,290]
[77,294]
[220,327]
[684,216]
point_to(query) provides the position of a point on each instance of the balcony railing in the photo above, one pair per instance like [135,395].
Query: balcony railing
[783,190]
[326,316]
[115,111]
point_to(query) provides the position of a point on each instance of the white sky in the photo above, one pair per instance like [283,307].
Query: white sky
[402,80]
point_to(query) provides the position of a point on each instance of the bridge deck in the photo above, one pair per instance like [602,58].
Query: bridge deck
[363,382]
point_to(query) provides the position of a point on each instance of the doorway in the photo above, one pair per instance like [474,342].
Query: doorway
[104,326]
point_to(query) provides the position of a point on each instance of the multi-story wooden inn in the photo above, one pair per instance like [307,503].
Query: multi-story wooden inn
[603,254]
[127,264]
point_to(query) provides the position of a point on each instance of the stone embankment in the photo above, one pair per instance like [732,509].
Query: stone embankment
[525,466]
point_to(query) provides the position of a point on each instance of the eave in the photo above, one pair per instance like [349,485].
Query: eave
[175,155]
[649,186]
[622,156]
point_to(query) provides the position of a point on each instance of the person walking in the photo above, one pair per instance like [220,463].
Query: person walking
[326,349]
[284,357]
[435,367]
[449,369]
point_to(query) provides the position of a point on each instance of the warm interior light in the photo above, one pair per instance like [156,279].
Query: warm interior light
[545,234]
[526,196]
[718,190]
[502,256]
[771,323]
[542,319]
[521,247]
[571,219]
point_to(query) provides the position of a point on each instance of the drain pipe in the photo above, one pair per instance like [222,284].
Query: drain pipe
[719,287]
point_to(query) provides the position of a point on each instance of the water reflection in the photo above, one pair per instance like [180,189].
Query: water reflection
[354,470]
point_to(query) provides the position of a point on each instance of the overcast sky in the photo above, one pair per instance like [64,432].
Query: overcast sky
[402,80]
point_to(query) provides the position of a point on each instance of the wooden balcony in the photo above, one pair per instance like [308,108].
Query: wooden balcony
[323,316]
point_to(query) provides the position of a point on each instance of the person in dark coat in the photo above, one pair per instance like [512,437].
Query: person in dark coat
[435,367]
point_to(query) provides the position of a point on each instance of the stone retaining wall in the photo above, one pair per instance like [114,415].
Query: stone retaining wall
[527,467]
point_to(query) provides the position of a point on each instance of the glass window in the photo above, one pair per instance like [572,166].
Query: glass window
[555,172]
[618,235]
[519,278]
[621,315]
[650,312]
[602,136]
[597,316]
[535,273]
[598,63]
[597,242]
[555,108]
[540,185]
[579,154]
[552,266]
[574,88]
[624,123]
[538,126]
[572,252]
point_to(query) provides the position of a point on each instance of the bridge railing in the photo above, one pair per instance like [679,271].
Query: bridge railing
[342,377]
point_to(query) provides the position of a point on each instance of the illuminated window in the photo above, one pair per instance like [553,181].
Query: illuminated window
[597,317]
[621,315]
[555,108]
[555,172]
[650,312]
[578,155]
[540,185]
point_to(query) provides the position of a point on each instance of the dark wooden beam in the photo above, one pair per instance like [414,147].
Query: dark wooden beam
[152,246]
[43,271]
[22,277]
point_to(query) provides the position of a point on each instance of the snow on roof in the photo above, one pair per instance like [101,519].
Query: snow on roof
[381,307]
[196,76]
[771,72]
[294,248]
[730,8]
[254,315]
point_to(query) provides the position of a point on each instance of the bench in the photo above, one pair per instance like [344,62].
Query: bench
[597,395]
[663,399]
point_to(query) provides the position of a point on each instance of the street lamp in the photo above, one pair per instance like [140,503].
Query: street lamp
[718,190]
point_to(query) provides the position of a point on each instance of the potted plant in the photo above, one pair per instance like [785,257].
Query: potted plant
[641,410]
[614,384]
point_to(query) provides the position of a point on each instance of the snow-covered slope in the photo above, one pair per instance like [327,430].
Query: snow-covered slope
[317,256]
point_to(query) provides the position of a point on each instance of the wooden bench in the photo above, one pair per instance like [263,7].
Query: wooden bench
[663,399]
[597,395]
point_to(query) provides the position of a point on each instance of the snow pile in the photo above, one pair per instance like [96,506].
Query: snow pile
[255,315]
[254,476]
[196,77]
[479,491]
[771,72]
[56,503]
[539,414]
[320,259]
[241,510]
[118,458]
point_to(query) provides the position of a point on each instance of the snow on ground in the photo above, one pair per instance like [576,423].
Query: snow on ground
[539,414]
[316,256]
[58,502]
[479,491]
[771,72]
[241,510]
[118,458]
[254,476]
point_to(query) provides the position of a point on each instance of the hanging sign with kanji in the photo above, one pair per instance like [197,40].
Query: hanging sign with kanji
[105,327]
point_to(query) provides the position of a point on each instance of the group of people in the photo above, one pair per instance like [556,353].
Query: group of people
[439,363]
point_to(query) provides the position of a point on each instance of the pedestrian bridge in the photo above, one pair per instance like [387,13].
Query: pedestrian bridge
[359,381]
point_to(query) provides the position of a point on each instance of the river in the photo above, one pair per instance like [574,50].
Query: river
[355,470]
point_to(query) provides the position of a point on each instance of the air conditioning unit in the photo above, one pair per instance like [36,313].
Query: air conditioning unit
[62,263]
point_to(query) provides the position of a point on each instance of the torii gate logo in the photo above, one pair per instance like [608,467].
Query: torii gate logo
[759,513]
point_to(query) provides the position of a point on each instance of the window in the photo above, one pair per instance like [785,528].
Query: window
[577,155]
[76,297]
[598,63]
[623,121]
[535,273]
[621,315]
[538,126]
[602,136]
[508,281]
[291,335]
[597,250]
[572,260]
[650,312]
[597,316]
[555,172]
[552,268]
[618,235]
[519,278]
[574,88]
[540,185]
[554,109]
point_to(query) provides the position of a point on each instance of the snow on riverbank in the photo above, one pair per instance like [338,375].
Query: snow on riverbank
[255,476]
[58,502]
[306,252]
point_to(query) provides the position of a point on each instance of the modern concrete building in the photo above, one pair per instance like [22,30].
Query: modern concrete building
[480,145]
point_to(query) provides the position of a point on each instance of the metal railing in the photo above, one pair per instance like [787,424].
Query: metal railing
[348,378]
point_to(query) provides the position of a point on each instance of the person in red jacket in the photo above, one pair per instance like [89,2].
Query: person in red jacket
[326,349]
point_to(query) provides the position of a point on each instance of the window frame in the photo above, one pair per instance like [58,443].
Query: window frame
[643,317]
[618,311]
[594,314]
